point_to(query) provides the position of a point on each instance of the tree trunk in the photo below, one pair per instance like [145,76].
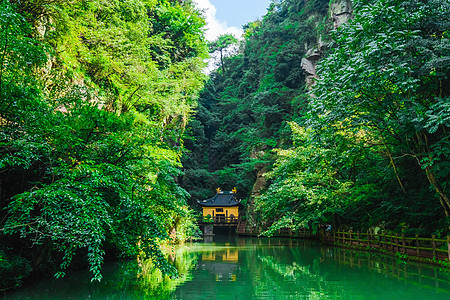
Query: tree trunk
[445,200]
[395,169]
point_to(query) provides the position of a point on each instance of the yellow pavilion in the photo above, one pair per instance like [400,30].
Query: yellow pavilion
[222,208]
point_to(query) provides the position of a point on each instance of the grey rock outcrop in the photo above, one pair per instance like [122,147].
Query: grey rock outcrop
[309,63]
[341,12]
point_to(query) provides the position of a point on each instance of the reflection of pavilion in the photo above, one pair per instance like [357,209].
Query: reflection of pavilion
[222,264]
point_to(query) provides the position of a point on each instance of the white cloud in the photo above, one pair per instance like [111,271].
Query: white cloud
[215,27]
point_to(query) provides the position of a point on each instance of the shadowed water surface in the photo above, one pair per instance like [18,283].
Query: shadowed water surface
[251,268]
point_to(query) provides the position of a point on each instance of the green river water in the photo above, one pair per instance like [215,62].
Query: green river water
[252,268]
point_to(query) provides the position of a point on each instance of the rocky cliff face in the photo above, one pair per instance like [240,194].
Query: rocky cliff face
[340,11]
[309,62]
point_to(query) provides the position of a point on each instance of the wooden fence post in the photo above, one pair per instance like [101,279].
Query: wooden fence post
[417,245]
[396,242]
[433,244]
[448,246]
[385,242]
[389,242]
[379,240]
[391,239]
[403,243]
[386,245]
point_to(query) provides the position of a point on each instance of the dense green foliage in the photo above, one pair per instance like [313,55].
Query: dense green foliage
[393,85]
[367,147]
[377,149]
[244,108]
[94,101]
[96,95]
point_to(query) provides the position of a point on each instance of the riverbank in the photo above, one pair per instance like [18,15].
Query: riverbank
[401,247]
[429,250]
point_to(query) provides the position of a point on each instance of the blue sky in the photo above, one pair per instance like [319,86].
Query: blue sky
[239,12]
[228,16]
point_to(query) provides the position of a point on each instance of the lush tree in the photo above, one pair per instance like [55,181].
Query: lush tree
[304,187]
[387,75]
[222,45]
[95,96]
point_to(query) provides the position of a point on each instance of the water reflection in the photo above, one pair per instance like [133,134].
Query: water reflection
[298,269]
[252,268]
[121,280]
[222,265]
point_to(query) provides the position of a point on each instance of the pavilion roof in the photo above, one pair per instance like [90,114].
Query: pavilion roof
[221,199]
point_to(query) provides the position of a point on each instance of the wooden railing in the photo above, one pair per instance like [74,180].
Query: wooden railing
[215,220]
[283,232]
[287,232]
[433,247]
